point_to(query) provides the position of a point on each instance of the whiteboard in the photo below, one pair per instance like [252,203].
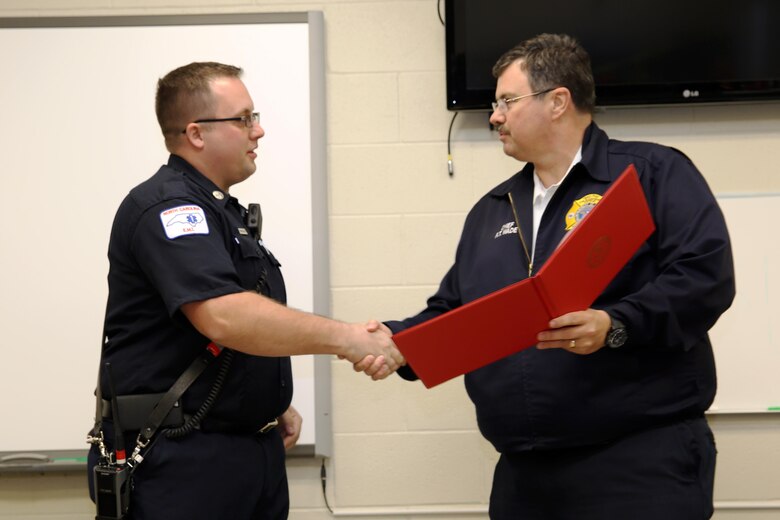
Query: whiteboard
[79,131]
[746,339]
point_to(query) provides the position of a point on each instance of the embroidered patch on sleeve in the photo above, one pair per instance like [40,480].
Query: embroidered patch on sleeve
[184,220]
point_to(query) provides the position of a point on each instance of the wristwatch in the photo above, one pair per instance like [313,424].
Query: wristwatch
[617,335]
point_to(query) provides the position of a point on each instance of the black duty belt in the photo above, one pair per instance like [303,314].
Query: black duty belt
[212,425]
[135,409]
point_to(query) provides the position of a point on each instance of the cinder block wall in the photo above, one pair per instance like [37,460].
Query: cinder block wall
[401,452]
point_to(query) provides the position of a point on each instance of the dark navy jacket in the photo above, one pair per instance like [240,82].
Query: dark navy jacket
[148,340]
[668,295]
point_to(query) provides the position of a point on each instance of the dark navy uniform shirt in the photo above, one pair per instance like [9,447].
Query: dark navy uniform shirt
[668,295]
[177,238]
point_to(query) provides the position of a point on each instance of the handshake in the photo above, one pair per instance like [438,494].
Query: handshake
[371,350]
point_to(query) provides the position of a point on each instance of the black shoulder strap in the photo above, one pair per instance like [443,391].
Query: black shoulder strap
[181,385]
[95,431]
[98,411]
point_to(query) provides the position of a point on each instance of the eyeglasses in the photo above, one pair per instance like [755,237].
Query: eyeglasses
[502,105]
[249,120]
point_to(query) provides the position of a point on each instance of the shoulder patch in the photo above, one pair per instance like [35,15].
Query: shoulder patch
[184,220]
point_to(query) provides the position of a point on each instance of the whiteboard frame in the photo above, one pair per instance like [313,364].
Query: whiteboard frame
[741,391]
[70,459]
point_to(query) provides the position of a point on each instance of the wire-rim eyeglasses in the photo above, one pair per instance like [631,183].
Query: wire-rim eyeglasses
[502,105]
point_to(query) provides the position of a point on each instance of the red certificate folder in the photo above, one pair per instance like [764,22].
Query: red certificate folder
[508,320]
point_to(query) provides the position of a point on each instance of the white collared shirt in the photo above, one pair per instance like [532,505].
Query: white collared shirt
[542,197]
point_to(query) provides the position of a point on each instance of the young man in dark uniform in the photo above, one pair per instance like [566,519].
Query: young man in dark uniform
[605,418]
[186,270]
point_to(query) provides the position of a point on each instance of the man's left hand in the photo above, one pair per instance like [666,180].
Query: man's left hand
[581,332]
[290,427]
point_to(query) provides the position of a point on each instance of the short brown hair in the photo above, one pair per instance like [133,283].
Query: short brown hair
[554,60]
[184,94]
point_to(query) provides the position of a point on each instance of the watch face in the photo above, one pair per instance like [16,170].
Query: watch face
[617,337]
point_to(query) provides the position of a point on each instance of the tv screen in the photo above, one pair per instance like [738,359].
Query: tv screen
[643,52]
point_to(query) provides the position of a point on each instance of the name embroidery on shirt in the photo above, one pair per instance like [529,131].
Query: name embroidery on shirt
[184,220]
[507,229]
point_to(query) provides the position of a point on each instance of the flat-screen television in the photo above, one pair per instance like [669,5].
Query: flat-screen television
[643,52]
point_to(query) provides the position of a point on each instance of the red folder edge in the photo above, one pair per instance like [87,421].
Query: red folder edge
[626,222]
[509,319]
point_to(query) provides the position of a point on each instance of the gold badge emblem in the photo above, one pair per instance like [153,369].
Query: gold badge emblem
[580,208]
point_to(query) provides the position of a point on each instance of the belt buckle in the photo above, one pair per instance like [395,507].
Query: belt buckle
[268,427]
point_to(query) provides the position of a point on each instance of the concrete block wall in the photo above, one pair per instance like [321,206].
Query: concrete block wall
[400,451]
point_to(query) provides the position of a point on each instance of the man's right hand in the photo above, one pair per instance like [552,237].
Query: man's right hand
[375,353]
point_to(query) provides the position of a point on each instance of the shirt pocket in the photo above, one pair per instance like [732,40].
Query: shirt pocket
[251,265]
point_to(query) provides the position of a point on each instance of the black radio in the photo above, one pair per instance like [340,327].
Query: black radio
[112,490]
